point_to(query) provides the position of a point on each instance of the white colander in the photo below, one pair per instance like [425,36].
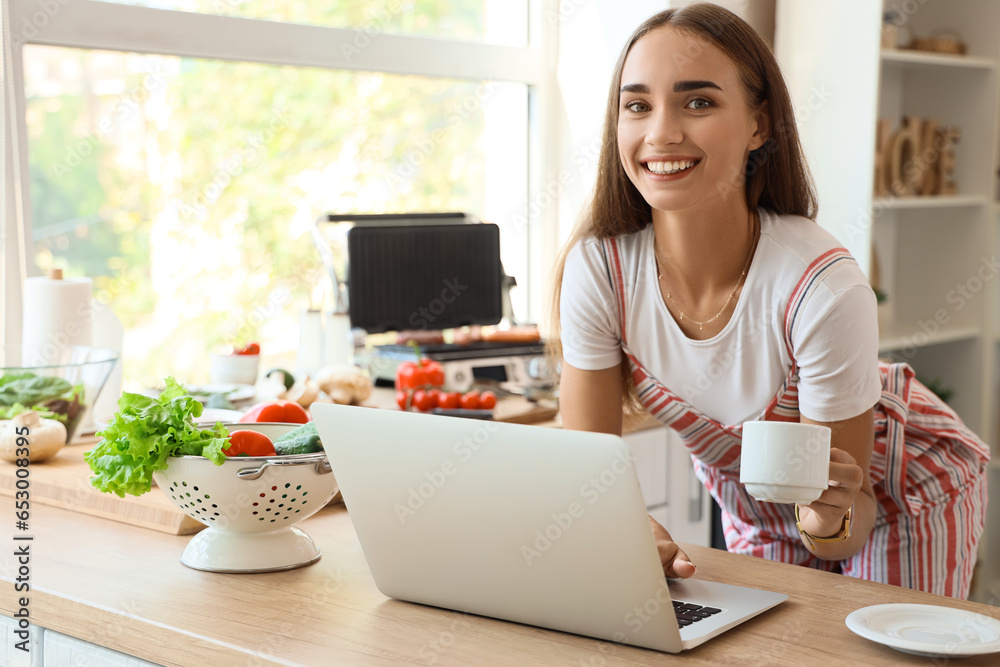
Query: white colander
[250,505]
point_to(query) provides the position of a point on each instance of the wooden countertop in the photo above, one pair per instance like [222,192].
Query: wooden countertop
[123,587]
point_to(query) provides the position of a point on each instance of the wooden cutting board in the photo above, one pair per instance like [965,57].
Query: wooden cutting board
[511,409]
[64,481]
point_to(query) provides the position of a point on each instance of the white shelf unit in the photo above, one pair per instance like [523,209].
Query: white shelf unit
[935,255]
[935,252]
[929,59]
[940,201]
[929,260]
[944,257]
[898,343]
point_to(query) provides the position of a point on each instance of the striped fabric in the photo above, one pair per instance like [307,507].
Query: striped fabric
[927,469]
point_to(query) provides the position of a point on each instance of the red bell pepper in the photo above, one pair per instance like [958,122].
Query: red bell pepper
[419,374]
[287,412]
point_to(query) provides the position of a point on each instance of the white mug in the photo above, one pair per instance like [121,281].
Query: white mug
[785,462]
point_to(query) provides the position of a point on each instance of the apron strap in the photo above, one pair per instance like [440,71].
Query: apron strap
[613,265]
[811,277]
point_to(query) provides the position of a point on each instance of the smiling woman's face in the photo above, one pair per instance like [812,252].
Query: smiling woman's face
[684,127]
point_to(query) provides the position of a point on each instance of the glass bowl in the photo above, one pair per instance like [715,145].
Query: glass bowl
[64,386]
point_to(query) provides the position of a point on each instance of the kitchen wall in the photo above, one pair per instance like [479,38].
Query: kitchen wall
[592,34]
[834,92]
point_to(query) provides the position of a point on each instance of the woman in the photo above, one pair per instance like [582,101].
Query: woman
[699,287]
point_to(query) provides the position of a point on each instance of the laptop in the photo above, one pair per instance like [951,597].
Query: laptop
[540,526]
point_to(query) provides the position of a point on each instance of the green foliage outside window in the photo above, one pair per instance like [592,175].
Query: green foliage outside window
[185,187]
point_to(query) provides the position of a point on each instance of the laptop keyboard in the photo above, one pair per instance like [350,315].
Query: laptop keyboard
[688,613]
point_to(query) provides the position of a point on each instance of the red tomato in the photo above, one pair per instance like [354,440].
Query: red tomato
[402,397]
[470,400]
[252,348]
[435,374]
[448,400]
[424,401]
[287,412]
[487,400]
[249,443]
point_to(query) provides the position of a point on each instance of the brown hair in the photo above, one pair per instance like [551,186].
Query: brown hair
[776,179]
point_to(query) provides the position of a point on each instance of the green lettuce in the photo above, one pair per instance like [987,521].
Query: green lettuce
[11,411]
[50,397]
[30,389]
[144,433]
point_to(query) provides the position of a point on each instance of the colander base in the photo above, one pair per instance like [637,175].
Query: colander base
[214,550]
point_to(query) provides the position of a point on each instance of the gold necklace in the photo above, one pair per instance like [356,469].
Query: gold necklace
[743,275]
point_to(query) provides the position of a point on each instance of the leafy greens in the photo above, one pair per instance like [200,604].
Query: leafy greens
[144,433]
[20,392]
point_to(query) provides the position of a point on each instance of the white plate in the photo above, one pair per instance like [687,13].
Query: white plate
[928,630]
[208,416]
[236,393]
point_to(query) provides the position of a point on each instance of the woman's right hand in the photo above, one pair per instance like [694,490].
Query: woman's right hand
[676,563]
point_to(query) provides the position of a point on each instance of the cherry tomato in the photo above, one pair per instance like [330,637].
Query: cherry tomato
[252,348]
[424,401]
[487,400]
[449,400]
[436,395]
[401,398]
[470,400]
[249,443]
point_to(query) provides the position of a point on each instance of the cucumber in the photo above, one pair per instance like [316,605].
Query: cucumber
[287,378]
[302,440]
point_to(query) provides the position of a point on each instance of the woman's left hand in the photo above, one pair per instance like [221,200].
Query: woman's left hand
[825,515]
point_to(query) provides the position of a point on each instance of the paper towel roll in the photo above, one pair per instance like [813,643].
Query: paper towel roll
[57,314]
[339,339]
[311,355]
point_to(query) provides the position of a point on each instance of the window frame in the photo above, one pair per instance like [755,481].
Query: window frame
[91,24]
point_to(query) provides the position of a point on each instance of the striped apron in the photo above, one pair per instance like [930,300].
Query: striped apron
[928,471]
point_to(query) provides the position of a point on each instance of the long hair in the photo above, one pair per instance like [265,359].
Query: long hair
[776,178]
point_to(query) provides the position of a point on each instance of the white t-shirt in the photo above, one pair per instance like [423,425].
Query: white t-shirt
[733,376]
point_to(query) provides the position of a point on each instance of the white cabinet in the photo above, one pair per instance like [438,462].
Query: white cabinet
[672,493]
[649,452]
[64,651]
[10,655]
[53,649]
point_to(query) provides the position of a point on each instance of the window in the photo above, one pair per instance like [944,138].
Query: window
[503,22]
[184,178]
